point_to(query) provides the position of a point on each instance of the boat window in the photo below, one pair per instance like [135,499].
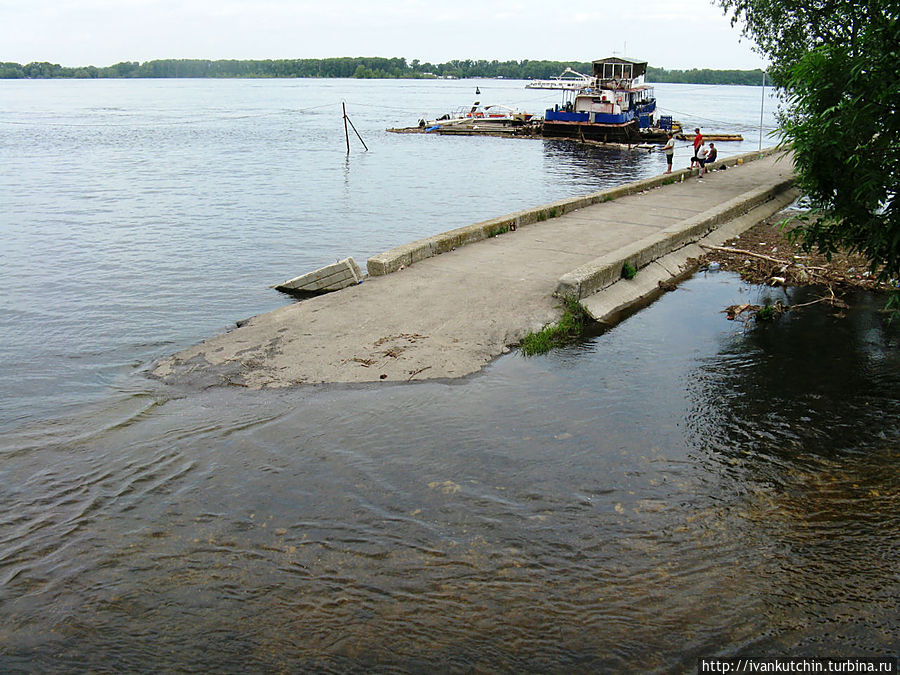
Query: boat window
[607,70]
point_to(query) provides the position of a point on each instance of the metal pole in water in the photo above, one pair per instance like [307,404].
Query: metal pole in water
[346,130]
[357,134]
[761,107]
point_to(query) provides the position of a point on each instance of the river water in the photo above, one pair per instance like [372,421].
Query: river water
[675,487]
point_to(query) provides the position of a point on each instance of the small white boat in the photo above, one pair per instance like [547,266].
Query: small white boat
[478,114]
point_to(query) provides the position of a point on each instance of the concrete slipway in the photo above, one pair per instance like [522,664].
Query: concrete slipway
[447,305]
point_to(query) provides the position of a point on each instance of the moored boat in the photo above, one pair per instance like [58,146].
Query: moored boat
[494,114]
[613,105]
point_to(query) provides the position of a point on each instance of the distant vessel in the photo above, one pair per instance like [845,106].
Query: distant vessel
[613,105]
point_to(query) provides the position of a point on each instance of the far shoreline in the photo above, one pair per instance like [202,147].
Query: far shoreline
[355,68]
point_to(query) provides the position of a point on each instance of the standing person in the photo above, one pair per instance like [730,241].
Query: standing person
[669,149]
[698,141]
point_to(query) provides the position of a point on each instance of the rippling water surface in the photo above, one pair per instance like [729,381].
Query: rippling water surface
[678,486]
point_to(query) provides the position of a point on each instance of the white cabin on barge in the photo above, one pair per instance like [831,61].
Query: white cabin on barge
[612,105]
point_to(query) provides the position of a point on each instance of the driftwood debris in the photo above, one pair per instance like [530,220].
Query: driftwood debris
[778,272]
[793,272]
[747,311]
[767,250]
[741,251]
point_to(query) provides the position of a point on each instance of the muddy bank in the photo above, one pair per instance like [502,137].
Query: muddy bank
[765,254]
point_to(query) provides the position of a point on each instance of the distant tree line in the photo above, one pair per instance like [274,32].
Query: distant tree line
[357,67]
[706,76]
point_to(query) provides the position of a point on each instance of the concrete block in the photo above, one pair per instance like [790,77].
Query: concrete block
[442,244]
[329,278]
[497,226]
[422,251]
[377,265]
[604,306]
[388,262]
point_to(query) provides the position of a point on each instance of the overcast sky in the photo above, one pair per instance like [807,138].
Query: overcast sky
[671,34]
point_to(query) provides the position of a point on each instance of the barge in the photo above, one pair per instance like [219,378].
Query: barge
[613,105]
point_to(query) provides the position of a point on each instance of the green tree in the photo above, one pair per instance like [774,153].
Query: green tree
[785,30]
[705,76]
[838,65]
[11,71]
[844,125]
[42,69]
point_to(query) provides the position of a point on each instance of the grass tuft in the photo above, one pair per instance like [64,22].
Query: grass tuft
[497,230]
[766,313]
[569,327]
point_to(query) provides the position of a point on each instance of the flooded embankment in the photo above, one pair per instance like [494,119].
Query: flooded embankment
[682,485]
[679,486]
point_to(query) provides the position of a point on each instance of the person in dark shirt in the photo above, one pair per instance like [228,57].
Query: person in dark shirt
[711,155]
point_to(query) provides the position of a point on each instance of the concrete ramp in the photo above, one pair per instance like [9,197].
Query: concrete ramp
[599,273]
[443,311]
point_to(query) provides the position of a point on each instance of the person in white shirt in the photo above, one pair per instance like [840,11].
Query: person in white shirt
[669,149]
[702,152]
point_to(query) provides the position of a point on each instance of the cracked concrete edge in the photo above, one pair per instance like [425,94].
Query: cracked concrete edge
[653,279]
[405,255]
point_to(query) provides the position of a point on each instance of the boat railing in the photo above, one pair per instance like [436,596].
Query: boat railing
[570,80]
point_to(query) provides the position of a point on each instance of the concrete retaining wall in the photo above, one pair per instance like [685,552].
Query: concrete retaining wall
[407,254]
[606,270]
[608,305]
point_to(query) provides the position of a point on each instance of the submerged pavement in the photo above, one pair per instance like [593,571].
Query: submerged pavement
[448,315]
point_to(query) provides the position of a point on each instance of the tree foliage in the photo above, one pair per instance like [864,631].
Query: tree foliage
[838,64]
[358,67]
[706,76]
[785,30]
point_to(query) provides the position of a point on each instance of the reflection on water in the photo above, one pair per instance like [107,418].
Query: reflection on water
[679,486]
[804,416]
[575,166]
